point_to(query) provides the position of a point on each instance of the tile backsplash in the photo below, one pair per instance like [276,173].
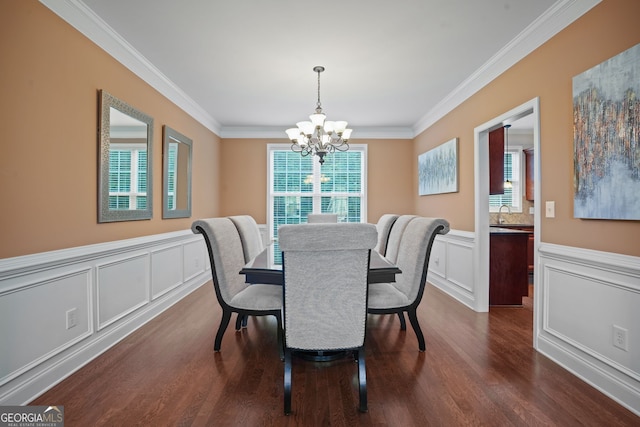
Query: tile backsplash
[523,217]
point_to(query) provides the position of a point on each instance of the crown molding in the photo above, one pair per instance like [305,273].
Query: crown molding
[555,19]
[273,132]
[83,19]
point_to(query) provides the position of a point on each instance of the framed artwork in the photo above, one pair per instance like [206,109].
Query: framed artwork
[606,140]
[438,169]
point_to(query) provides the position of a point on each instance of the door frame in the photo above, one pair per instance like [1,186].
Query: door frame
[481,179]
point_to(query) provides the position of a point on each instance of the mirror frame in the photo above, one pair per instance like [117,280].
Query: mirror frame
[106,102]
[168,136]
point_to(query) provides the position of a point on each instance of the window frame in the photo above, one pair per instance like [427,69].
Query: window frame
[517,181]
[316,194]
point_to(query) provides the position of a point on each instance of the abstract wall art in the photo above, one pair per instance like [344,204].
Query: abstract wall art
[438,169]
[606,141]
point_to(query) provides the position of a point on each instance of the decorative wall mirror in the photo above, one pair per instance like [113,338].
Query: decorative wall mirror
[125,190]
[176,192]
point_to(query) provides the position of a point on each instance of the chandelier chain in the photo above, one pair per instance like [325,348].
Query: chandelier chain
[318,105]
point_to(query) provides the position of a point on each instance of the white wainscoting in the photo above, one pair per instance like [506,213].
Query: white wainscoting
[579,295]
[112,289]
[451,266]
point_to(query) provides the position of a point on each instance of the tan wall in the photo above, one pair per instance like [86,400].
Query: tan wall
[245,177]
[50,77]
[606,30]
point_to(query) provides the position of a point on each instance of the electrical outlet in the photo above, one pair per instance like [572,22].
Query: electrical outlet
[72,318]
[620,338]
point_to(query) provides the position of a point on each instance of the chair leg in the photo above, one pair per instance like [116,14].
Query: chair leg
[287,381]
[239,321]
[413,317]
[280,337]
[362,380]
[403,324]
[245,318]
[224,322]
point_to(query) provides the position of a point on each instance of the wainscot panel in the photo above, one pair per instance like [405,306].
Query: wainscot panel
[583,295]
[123,286]
[43,295]
[451,266]
[52,313]
[167,267]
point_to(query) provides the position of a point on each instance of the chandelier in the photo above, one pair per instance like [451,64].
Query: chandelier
[319,136]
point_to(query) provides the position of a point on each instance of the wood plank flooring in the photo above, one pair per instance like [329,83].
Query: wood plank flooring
[478,369]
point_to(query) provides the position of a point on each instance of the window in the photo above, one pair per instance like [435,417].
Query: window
[128,176]
[512,197]
[299,186]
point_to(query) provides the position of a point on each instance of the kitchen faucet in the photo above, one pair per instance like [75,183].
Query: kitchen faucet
[500,220]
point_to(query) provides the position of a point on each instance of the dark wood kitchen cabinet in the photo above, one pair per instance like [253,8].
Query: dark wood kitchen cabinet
[529,179]
[508,266]
[496,161]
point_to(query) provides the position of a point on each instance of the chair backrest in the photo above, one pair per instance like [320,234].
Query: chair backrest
[325,284]
[413,255]
[249,235]
[395,235]
[384,225]
[225,254]
[321,218]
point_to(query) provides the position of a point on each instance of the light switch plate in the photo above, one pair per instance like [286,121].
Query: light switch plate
[550,209]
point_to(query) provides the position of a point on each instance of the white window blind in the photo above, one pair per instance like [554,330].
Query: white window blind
[128,177]
[299,186]
[512,197]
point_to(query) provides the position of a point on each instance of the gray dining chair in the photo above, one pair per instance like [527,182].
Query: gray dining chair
[250,235]
[405,294]
[384,225]
[252,245]
[395,235]
[233,294]
[325,271]
[322,218]
[393,244]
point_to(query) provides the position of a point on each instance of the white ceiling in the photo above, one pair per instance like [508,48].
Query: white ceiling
[246,67]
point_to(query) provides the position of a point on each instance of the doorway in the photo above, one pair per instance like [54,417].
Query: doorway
[530,109]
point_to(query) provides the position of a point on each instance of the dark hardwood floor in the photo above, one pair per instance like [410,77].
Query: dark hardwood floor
[478,369]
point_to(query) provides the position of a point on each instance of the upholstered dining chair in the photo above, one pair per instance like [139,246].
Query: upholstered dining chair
[252,245]
[393,244]
[322,218]
[325,301]
[234,295]
[250,235]
[405,294]
[395,235]
[384,225]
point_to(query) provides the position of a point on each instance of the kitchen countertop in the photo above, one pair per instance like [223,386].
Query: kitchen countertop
[496,229]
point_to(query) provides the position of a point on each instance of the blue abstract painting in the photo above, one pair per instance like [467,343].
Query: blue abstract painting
[606,123]
[438,169]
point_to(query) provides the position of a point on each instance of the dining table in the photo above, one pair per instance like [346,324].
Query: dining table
[263,269]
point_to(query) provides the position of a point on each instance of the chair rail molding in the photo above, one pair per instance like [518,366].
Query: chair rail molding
[77,303]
